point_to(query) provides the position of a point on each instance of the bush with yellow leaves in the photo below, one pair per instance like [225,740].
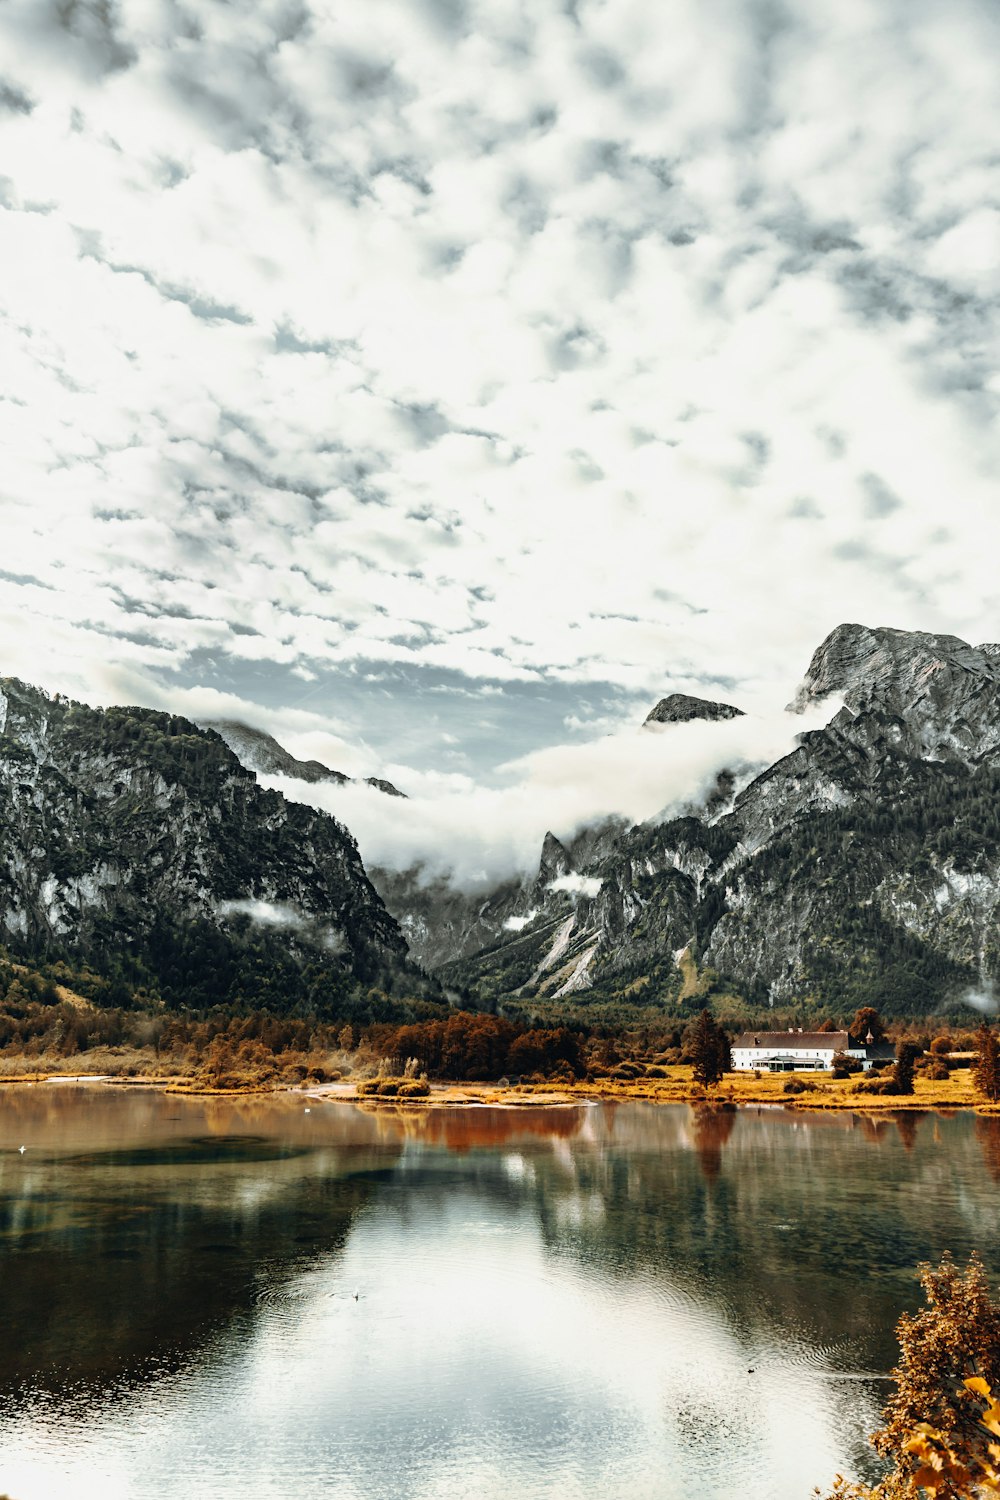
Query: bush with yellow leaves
[942,1420]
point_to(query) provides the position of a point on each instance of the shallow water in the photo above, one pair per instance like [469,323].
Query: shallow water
[562,1303]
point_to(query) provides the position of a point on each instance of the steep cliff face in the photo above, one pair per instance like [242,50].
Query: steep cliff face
[934,695]
[135,839]
[865,865]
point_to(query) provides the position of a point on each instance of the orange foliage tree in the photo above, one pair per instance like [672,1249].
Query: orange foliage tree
[935,1433]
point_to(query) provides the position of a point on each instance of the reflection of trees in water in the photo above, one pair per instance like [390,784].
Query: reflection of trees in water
[987,1129]
[776,1217]
[120,1262]
[907,1123]
[711,1128]
[480,1127]
[780,1217]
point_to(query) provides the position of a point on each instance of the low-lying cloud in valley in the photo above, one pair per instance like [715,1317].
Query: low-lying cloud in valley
[484,834]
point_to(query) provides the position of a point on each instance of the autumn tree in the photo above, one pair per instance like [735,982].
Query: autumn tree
[986,1071]
[933,1432]
[710,1053]
[867,1020]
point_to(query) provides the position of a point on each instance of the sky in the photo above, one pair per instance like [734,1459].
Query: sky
[433,383]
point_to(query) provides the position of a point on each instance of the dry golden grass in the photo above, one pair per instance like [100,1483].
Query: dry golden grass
[743,1088]
[123,1065]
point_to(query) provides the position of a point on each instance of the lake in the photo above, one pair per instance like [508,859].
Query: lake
[274,1297]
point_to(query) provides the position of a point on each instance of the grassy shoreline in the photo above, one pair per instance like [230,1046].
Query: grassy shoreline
[678,1087]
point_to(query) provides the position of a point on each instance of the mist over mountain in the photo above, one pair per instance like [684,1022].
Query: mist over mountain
[863,866]
[261,753]
[859,863]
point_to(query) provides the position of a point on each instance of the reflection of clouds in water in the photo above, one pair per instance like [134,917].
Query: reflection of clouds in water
[482,1366]
[552,1303]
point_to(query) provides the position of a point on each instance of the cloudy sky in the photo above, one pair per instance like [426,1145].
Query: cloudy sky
[431,381]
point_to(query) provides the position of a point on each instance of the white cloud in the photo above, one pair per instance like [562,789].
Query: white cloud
[577,885]
[537,348]
[517,924]
[483,834]
[267,913]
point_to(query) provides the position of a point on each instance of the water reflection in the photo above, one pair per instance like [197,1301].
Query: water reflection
[133,1228]
[549,1303]
[988,1136]
[713,1125]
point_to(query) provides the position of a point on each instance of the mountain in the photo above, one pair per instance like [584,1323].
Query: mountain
[262,754]
[681,708]
[864,867]
[137,842]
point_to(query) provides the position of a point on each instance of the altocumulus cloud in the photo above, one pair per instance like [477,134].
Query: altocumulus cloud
[562,343]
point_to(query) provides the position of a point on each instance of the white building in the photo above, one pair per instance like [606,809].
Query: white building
[801,1051]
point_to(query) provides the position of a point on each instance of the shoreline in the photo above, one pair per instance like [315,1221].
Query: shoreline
[735,1092]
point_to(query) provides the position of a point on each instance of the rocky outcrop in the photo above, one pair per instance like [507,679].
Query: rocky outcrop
[933,696]
[681,708]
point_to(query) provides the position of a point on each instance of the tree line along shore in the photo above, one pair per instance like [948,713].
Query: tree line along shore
[56,1022]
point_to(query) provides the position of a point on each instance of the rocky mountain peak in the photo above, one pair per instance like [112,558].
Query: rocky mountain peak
[869,666]
[943,692]
[555,860]
[681,708]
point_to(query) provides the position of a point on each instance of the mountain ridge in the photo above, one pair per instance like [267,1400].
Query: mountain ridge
[136,840]
[864,862]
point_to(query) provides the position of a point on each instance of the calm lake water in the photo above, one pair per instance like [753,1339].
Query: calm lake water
[560,1303]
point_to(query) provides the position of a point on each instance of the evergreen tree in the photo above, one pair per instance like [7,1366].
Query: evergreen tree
[902,1074]
[710,1054]
[986,1072]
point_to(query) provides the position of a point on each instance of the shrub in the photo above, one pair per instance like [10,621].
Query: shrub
[934,1431]
[941,1046]
[937,1071]
[657,1072]
[871,1086]
[414,1088]
[798,1086]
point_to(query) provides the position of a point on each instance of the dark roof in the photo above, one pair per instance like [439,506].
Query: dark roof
[811,1040]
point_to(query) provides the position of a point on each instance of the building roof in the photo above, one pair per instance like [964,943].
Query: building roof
[810,1041]
[879,1051]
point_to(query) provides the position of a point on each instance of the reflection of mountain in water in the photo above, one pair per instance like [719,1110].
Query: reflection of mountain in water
[118,1262]
[137,1227]
[775,1217]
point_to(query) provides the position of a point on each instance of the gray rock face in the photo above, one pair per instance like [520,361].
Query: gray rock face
[681,708]
[943,693]
[863,867]
[128,832]
[262,754]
